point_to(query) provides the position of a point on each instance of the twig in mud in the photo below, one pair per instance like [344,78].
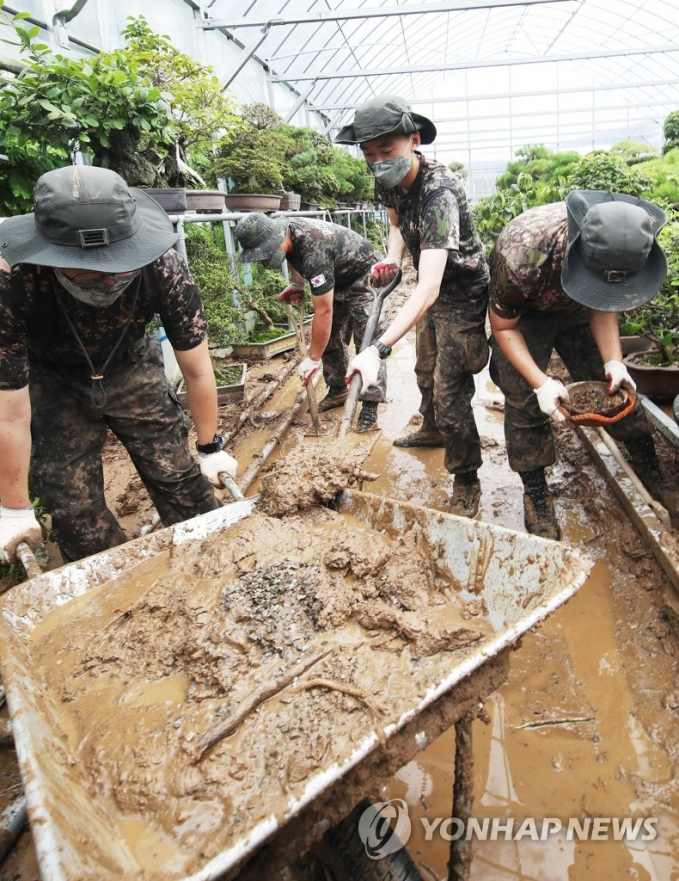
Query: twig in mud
[13,788]
[574,720]
[270,689]
[338,686]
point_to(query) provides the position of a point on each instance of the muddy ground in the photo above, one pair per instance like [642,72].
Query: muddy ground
[599,678]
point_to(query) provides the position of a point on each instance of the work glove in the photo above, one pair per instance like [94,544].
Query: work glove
[17,524]
[617,375]
[293,294]
[385,271]
[367,363]
[211,464]
[550,395]
[306,370]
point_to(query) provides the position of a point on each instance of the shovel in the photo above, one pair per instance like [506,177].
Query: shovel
[301,345]
[368,336]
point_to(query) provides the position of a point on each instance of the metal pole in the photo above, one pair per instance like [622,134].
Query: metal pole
[463,794]
[181,241]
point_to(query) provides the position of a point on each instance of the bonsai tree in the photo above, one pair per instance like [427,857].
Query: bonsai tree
[101,104]
[601,170]
[671,131]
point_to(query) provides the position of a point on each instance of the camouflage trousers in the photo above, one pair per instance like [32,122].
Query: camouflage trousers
[68,435]
[451,346]
[350,310]
[528,434]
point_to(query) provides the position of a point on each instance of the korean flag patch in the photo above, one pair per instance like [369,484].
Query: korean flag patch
[317,281]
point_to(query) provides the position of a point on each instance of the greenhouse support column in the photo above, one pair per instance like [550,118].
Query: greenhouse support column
[230,247]
[365,228]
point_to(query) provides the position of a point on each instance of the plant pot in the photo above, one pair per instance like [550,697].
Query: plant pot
[226,394]
[205,200]
[171,199]
[656,382]
[635,343]
[252,202]
[267,349]
[291,202]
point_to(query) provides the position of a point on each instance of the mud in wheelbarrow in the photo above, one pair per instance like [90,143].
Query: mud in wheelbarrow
[115,698]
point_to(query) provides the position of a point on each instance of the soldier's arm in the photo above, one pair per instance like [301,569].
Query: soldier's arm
[201,388]
[430,275]
[604,326]
[15,447]
[513,346]
[321,325]
[295,277]
[395,245]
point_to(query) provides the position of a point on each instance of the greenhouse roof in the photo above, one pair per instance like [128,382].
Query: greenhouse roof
[493,74]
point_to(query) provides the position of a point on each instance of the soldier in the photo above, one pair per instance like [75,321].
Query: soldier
[337,263]
[560,273]
[79,281]
[429,215]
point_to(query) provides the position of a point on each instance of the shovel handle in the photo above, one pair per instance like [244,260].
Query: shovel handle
[368,336]
[301,345]
[28,560]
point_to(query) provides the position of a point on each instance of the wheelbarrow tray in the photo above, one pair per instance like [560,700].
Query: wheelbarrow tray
[520,578]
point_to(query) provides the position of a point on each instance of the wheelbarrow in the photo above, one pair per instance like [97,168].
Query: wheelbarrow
[513,580]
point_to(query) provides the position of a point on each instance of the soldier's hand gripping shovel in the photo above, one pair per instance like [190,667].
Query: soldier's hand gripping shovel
[301,345]
[368,337]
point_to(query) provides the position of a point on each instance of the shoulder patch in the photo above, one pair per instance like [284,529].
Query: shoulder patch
[317,281]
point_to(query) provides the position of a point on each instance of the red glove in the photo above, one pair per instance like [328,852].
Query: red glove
[385,271]
[293,294]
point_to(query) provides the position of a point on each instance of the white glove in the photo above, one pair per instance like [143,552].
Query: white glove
[550,395]
[617,375]
[307,369]
[17,524]
[385,271]
[211,464]
[368,365]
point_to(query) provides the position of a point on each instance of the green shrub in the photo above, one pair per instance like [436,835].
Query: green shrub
[601,170]
[210,269]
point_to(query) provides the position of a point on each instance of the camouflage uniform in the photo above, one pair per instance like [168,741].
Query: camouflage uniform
[332,256]
[451,337]
[68,430]
[525,269]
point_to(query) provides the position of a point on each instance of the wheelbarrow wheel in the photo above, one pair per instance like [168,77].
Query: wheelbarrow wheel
[341,856]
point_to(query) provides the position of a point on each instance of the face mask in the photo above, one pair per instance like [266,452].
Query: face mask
[275,261]
[96,293]
[391,172]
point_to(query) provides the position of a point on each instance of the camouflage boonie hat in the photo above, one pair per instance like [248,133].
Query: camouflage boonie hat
[385,115]
[87,218]
[260,236]
[613,262]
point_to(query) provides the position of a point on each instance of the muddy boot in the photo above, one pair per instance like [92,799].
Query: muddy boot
[644,460]
[424,436]
[368,416]
[538,508]
[336,397]
[466,495]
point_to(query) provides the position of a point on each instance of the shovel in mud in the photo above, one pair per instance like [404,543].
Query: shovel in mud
[301,346]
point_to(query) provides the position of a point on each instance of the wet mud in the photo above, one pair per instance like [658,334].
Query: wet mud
[143,670]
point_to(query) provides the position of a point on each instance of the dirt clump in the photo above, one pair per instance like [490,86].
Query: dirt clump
[312,477]
[593,400]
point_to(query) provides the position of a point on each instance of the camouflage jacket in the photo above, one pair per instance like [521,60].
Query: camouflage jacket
[33,327]
[329,255]
[526,262]
[435,214]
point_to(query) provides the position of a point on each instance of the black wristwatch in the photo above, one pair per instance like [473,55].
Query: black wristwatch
[384,351]
[214,447]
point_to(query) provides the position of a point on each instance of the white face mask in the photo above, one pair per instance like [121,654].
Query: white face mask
[97,293]
[391,172]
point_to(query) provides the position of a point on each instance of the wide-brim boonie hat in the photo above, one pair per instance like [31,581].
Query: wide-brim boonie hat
[385,115]
[613,262]
[260,236]
[87,218]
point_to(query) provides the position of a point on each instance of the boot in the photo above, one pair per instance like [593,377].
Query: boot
[644,460]
[367,417]
[538,508]
[424,436]
[336,397]
[466,495]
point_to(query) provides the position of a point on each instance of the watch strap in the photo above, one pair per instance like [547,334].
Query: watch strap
[384,350]
[214,447]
